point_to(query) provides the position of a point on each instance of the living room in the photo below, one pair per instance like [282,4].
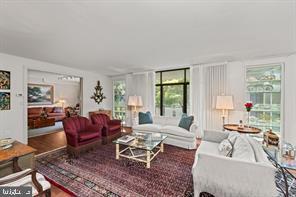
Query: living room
[177,98]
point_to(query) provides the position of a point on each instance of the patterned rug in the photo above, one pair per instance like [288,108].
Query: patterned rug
[98,173]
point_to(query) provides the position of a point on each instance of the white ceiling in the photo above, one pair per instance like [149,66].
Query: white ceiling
[114,37]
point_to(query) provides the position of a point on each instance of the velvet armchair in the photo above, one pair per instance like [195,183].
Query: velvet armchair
[111,128]
[81,134]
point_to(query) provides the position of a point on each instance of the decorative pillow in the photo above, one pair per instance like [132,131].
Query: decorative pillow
[145,118]
[186,121]
[243,150]
[57,110]
[225,148]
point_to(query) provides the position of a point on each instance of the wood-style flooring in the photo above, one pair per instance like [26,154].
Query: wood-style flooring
[48,142]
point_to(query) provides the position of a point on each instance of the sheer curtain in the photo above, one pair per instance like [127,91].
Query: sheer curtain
[141,84]
[207,82]
[214,85]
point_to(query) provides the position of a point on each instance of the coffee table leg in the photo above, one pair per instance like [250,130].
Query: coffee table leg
[148,159]
[161,147]
[117,151]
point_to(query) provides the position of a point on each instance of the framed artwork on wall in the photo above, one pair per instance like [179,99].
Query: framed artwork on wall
[4,100]
[4,80]
[39,94]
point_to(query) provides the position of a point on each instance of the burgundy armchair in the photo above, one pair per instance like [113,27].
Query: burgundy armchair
[81,134]
[111,128]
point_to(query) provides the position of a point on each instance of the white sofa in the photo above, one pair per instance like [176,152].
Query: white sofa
[169,126]
[228,176]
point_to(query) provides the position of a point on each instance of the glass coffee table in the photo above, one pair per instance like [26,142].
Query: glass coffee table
[140,147]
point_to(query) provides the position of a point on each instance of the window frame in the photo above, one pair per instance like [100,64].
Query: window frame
[113,96]
[185,84]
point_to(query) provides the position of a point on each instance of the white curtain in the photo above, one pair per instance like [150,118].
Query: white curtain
[214,85]
[141,84]
[207,82]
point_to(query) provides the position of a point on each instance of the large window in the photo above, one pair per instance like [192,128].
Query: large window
[119,104]
[172,92]
[264,90]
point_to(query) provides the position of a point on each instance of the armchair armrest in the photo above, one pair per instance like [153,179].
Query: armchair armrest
[114,122]
[95,128]
[72,138]
[31,173]
[230,174]
[215,136]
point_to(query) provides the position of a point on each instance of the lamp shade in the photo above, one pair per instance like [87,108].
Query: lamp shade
[135,101]
[139,101]
[224,102]
[132,101]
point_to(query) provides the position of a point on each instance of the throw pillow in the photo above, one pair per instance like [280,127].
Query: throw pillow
[186,122]
[243,150]
[145,118]
[225,148]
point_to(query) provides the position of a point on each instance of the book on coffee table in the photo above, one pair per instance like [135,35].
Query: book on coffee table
[126,138]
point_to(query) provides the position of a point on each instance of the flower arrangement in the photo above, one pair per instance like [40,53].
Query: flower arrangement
[248,106]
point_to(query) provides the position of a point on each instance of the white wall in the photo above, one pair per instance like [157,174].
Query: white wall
[69,91]
[13,123]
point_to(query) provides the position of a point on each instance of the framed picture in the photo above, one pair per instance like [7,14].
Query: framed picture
[4,80]
[39,94]
[4,100]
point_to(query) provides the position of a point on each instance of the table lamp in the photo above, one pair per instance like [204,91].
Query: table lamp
[134,102]
[224,103]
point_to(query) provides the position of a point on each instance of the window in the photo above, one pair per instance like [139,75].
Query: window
[263,86]
[119,104]
[172,92]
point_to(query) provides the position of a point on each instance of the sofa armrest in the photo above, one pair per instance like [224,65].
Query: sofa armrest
[114,122]
[194,128]
[215,136]
[222,176]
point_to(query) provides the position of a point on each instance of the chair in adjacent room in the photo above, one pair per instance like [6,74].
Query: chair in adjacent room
[111,128]
[81,134]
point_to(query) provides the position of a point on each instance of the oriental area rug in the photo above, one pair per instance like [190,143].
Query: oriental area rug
[98,173]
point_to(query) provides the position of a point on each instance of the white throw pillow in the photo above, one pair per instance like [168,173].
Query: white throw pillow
[243,150]
[225,148]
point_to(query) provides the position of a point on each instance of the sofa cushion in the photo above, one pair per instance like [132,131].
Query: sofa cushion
[177,131]
[243,150]
[225,148]
[186,122]
[145,118]
[87,135]
[147,127]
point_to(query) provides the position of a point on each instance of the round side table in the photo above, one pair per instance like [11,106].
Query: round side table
[249,130]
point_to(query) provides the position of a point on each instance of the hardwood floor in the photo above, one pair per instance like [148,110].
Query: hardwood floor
[48,142]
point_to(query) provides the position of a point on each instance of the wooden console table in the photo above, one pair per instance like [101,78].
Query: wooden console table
[39,123]
[234,127]
[23,152]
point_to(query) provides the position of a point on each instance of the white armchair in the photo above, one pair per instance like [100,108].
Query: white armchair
[230,177]
[26,177]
